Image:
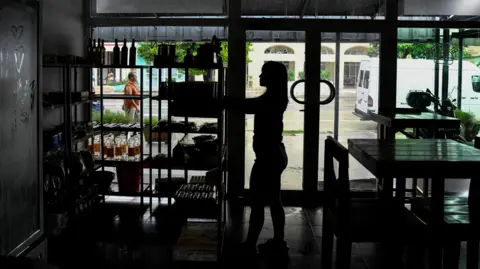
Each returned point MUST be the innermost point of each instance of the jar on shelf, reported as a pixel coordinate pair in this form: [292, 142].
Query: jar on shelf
[131, 148]
[96, 147]
[109, 148]
[90, 146]
[137, 147]
[123, 145]
[118, 148]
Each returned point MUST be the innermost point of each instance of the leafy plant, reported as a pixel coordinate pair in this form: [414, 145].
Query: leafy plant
[417, 51]
[324, 74]
[470, 126]
[148, 50]
[291, 76]
[112, 117]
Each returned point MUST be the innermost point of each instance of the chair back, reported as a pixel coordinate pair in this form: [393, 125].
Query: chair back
[337, 186]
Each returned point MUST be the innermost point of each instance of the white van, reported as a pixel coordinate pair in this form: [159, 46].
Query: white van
[417, 75]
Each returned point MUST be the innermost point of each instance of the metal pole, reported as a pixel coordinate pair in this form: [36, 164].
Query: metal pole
[337, 84]
[460, 69]
[446, 59]
[436, 90]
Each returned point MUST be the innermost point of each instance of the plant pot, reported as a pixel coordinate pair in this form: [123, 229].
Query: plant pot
[155, 136]
[128, 176]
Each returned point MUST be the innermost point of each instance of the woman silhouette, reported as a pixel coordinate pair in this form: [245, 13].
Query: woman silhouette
[271, 158]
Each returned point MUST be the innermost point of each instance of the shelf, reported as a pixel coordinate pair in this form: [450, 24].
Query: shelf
[112, 163]
[55, 106]
[83, 138]
[190, 66]
[163, 164]
[145, 191]
[185, 132]
[121, 96]
[122, 129]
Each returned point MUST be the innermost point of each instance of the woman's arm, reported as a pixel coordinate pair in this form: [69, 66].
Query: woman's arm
[248, 106]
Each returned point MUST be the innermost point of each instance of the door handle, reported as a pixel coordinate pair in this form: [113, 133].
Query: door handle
[329, 99]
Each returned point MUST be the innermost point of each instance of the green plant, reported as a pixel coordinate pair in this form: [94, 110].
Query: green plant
[112, 117]
[417, 51]
[146, 120]
[115, 83]
[470, 126]
[301, 75]
[291, 76]
[324, 74]
[292, 132]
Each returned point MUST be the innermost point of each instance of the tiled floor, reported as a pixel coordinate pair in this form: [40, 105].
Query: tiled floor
[304, 235]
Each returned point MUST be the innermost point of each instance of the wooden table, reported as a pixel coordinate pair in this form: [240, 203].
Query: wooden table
[416, 158]
[390, 123]
[428, 158]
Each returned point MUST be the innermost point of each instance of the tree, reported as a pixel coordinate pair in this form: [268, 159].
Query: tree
[324, 75]
[148, 50]
[419, 51]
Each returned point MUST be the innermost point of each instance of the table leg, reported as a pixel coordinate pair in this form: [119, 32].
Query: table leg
[437, 203]
[400, 190]
[414, 187]
[387, 189]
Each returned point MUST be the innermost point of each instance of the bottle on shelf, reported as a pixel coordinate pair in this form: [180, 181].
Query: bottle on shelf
[99, 52]
[96, 147]
[133, 54]
[123, 145]
[89, 50]
[90, 146]
[118, 148]
[116, 54]
[93, 56]
[131, 149]
[109, 147]
[103, 52]
[137, 147]
[124, 58]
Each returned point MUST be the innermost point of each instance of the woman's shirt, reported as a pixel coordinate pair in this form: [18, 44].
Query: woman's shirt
[268, 122]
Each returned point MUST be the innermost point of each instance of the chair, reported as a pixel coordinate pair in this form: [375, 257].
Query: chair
[358, 220]
[459, 222]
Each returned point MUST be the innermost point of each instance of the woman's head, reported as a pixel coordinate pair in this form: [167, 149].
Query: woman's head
[274, 77]
[132, 77]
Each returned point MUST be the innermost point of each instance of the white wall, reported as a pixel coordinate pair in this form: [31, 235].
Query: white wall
[62, 34]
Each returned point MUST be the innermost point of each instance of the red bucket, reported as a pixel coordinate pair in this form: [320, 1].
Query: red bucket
[128, 175]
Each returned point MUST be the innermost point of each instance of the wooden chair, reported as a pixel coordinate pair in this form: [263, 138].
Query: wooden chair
[459, 223]
[359, 220]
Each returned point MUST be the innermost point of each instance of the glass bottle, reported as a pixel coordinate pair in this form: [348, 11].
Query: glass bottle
[124, 53]
[123, 145]
[109, 147]
[118, 148]
[131, 149]
[133, 54]
[90, 146]
[137, 147]
[96, 147]
[116, 54]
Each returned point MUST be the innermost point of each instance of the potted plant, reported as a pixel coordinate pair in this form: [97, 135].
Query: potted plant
[155, 135]
[469, 125]
[250, 81]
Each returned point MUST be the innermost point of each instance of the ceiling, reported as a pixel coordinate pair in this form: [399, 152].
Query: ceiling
[302, 8]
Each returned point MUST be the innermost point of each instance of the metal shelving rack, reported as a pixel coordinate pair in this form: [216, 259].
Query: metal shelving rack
[69, 141]
[145, 189]
[169, 165]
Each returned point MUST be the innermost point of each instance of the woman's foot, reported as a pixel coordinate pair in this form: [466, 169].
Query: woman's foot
[273, 246]
[247, 249]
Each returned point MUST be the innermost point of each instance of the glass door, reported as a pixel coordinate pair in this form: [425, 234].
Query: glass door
[350, 61]
[288, 48]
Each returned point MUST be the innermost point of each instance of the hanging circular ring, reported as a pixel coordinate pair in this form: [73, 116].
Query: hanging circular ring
[329, 99]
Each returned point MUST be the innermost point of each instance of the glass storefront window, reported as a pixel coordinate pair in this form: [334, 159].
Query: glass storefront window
[449, 67]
